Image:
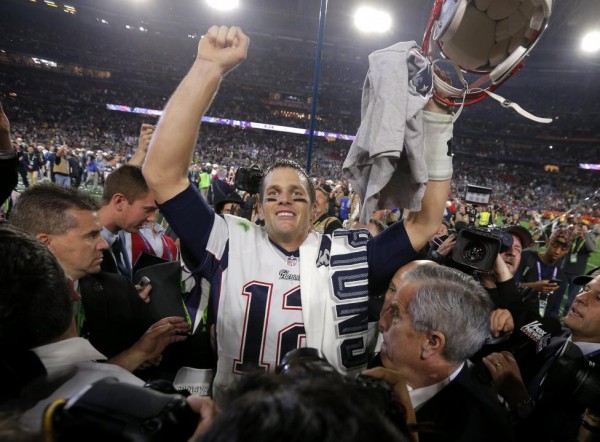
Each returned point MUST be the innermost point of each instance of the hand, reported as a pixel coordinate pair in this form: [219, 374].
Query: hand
[159, 335]
[447, 246]
[146, 131]
[207, 411]
[400, 391]
[501, 321]
[223, 46]
[507, 377]
[543, 286]
[501, 271]
[144, 293]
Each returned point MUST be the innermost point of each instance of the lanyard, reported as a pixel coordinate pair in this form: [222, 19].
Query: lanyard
[575, 248]
[539, 269]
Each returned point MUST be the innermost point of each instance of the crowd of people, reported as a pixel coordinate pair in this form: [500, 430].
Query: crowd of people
[155, 255]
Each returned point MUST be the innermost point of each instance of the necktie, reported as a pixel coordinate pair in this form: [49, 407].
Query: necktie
[121, 258]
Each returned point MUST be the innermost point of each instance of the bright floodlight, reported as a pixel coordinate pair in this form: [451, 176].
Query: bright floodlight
[368, 19]
[223, 5]
[591, 42]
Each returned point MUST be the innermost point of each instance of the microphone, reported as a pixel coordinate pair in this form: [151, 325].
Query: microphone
[524, 344]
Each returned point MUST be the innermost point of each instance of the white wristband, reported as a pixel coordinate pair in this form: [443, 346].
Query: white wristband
[437, 132]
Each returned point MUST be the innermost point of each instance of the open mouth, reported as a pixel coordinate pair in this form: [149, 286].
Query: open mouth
[285, 214]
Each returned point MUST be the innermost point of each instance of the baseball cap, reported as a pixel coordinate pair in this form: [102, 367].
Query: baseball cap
[521, 232]
[233, 197]
[584, 279]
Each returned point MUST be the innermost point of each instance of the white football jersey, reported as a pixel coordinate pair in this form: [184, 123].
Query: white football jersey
[262, 311]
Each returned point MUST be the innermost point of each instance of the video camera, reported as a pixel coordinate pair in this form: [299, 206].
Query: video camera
[476, 248]
[573, 375]
[110, 410]
[248, 179]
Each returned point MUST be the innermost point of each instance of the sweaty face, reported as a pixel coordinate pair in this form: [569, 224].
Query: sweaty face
[401, 348]
[79, 250]
[512, 257]
[584, 315]
[286, 207]
[134, 215]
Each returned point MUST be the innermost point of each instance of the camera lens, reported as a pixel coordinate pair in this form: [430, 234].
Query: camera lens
[474, 252]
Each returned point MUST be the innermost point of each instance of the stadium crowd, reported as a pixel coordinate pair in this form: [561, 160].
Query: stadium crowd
[161, 259]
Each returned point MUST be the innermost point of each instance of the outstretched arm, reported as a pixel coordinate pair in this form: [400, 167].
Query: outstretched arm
[438, 127]
[172, 145]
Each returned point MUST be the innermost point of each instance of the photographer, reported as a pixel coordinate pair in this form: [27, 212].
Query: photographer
[551, 404]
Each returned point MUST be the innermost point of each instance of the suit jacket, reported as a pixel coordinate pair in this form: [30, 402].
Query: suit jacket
[465, 411]
[115, 316]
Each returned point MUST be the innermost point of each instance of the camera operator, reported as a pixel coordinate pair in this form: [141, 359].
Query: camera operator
[547, 404]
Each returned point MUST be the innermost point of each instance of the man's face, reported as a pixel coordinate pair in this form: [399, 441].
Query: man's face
[286, 208]
[230, 209]
[322, 203]
[79, 250]
[556, 250]
[584, 315]
[512, 257]
[137, 213]
[402, 346]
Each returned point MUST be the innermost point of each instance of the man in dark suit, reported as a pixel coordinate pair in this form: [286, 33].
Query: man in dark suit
[108, 310]
[433, 319]
[556, 397]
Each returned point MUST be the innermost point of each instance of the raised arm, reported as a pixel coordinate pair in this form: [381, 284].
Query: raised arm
[172, 145]
[438, 127]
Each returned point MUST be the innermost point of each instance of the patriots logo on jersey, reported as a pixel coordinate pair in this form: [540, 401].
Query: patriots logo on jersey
[324, 252]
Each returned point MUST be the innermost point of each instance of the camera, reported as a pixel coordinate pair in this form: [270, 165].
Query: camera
[478, 247]
[573, 375]
[110, 410]
[248, 179]
[308, 361]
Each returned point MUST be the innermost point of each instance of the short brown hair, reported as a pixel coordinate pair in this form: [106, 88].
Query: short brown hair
[127, 180]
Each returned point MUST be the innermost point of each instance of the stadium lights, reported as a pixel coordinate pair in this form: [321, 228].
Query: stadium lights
[51, 4]
[591, 42]
[223, 5]
[371, 20]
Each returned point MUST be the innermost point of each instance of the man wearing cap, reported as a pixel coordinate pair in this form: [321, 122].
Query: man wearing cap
[542, 271]
[501, 285]
[230, 205]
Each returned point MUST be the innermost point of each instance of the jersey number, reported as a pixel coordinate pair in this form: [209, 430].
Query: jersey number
[258, 305]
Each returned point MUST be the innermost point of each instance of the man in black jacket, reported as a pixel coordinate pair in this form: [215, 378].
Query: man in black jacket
[433, 319]
[108, 310]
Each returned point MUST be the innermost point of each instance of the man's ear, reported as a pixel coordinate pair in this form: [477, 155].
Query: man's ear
[44, 238]
[119, 201]
[432, 344]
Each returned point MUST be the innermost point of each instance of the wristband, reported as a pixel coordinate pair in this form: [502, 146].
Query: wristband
[437, 138]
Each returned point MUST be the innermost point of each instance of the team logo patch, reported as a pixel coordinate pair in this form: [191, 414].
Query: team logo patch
[285, 274]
